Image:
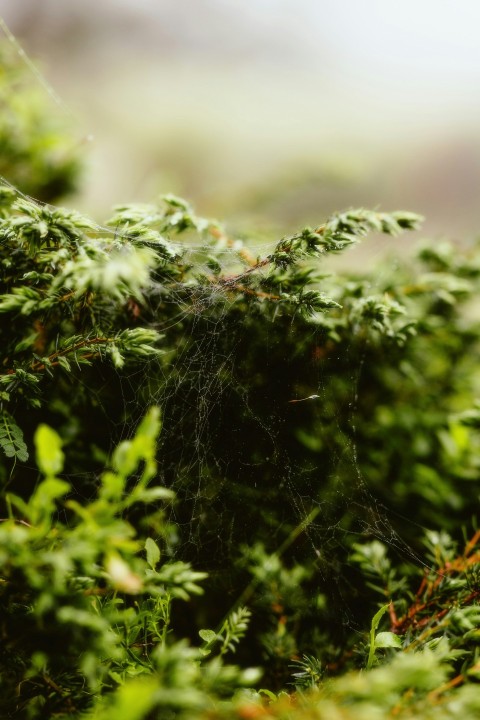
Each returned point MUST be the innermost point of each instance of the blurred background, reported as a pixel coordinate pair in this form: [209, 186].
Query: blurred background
[268, 114]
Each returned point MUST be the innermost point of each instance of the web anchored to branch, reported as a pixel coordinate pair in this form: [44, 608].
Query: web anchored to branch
[229, 345]
[289, 395]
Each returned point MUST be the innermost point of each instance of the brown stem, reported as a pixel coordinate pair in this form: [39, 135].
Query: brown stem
[37, 366]
[61, 353]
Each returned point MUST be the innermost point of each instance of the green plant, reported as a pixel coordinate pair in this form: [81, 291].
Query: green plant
[38, 153]
[99, 312]
[87, 601]
[312, 423]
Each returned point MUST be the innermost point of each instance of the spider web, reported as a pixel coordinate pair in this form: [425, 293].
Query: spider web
[226, 448]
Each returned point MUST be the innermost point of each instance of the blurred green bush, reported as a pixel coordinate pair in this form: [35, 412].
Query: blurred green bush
[37, 154]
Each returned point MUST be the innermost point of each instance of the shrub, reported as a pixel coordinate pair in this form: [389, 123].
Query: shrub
[315, 425]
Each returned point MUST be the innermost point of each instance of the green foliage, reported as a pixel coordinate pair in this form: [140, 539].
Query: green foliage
[309, 672]
[37, 156]
[319, 445]
[83, 610]
[381, 639]
[79, 299]
[11, 438]
[231, 632]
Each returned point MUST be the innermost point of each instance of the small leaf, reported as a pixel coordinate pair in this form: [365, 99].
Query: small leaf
[49, 490]
[49, 451]
[375, 623]
[268, 693]
[208, 636]
[63, 362]
[153, 552]
[112, 485]
[378, 616]
[149, 495]
[387, 639]
[11, 438]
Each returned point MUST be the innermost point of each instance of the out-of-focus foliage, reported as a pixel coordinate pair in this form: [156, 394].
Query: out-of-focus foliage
[86, 602]
[36, 153]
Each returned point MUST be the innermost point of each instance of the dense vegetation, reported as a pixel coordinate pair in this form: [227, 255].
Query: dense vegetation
[214, 454]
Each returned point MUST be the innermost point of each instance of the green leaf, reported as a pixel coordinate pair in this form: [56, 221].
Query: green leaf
[148, 495]
[133, 701]
[113, 485]
[267, 693]
[375, 623]
[42, 503]
[130, 453]
[49, 451]
[387, 639]
[11, 438]
[51, 489]
[151, 424]
[208, 636]
[153, 552]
